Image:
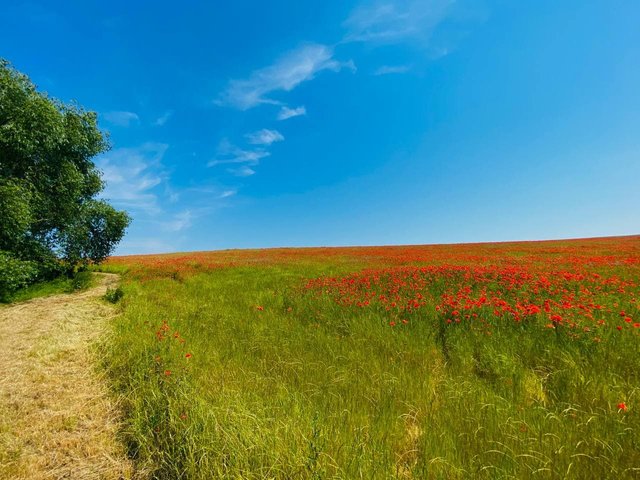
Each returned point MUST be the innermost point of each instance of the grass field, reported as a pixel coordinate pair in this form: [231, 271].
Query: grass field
[513, 360]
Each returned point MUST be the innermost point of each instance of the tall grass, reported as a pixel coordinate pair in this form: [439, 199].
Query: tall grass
[238, 373]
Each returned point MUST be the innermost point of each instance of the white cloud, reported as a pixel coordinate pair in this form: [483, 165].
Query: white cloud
[179, 222]
[172, 195]
[229, 153]
[138, 181]
[227, 193]
[390, 22]
[264, 137]
[161, 120]
[251, 157]
[297, 66]
[121, 119]
[243, 171]
[286, 112]
[388, 69]
[131, 175]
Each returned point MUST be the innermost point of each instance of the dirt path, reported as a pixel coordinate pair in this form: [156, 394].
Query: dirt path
[56, 419]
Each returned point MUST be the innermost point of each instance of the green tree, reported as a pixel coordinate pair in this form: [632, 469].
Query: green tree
[94, 234]
[49, 213]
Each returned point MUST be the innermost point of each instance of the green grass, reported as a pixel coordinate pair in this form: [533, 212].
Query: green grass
[308, 389]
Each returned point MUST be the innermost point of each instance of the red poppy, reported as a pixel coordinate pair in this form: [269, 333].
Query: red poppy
[622, 406]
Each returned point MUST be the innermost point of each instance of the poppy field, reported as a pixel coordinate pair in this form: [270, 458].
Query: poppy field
[494, 360]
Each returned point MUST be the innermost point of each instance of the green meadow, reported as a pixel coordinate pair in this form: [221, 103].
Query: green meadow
[245, 371]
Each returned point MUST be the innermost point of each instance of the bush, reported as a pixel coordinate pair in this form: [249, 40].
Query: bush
[81, 281]
[114, 295]
[14, 274]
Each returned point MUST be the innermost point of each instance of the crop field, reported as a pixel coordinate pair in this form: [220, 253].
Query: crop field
[503, 360]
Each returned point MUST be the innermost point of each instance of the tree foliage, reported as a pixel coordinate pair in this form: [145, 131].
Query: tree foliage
[49, 213]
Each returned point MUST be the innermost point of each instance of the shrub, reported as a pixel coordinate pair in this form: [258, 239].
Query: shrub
[81, 281]
[114, 295]
[14, 274]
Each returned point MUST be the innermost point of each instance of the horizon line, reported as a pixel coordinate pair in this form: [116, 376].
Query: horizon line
[398, 245]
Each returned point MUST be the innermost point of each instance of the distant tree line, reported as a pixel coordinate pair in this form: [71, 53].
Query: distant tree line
[51, 221]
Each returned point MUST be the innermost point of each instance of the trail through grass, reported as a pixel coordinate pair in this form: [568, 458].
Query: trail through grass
[56, 417]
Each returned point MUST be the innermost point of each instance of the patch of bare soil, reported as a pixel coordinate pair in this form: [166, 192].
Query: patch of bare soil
[57, 420]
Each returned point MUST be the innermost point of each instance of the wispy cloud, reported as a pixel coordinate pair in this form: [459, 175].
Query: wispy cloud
[121, 118]
[229, 153]
[264, 137]
[389, 69]
[227, 193]
[162, 119]
[179, 221]
[286, 112]
[390, 22]
[131, 175]
[243, 171]
[292, 69]
[138, 181]
[171, 194]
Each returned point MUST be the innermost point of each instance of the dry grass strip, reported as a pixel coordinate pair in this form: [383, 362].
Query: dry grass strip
[57, 420]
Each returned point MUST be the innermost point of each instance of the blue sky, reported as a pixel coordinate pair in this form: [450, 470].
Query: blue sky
[286, 123]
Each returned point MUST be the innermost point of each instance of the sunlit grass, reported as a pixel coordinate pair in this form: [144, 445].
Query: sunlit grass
[240, 372]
